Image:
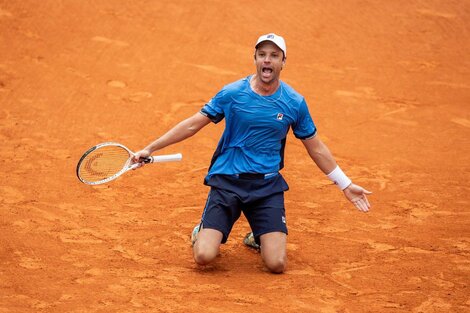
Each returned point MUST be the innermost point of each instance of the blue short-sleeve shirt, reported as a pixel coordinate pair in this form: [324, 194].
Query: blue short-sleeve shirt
[256, 127]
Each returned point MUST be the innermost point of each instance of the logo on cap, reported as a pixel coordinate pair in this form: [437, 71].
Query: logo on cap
[270, 36]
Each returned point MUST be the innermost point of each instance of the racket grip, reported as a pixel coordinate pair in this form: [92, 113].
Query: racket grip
[166, 158]
[134, 166]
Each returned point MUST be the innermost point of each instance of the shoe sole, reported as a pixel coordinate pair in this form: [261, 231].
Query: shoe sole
[249, 241]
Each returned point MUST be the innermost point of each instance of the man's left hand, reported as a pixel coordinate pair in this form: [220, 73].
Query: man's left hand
[357, 195]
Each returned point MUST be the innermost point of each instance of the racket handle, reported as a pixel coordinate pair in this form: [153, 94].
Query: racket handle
[166, 158]
[134, 166]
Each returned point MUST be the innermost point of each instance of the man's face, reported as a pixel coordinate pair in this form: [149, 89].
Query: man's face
[269, 60]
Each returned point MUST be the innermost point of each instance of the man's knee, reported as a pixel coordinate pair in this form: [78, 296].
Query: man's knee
[204, 255]
[273, 251]
[206, 247]
[276, 264]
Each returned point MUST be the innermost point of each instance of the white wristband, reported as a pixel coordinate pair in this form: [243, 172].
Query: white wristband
[339, 178]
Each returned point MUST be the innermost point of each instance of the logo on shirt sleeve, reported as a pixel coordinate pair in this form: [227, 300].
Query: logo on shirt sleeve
[280, 116]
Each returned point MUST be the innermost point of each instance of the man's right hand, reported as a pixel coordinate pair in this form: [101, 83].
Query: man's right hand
[139, 156]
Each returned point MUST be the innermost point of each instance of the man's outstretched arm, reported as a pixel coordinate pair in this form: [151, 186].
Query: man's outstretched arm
[180, 132]
[323, 158]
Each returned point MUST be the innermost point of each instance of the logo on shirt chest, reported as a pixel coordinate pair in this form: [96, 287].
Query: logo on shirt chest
[280, 116]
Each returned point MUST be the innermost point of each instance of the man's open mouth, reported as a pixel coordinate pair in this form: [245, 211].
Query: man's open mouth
[267, 70]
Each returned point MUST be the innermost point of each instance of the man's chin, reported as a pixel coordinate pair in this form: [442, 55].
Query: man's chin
[268, 80]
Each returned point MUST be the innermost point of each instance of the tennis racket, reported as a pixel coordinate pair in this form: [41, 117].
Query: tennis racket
[107, 161]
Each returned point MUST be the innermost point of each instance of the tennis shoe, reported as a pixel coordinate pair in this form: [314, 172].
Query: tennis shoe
[250, 241]
[194, 234]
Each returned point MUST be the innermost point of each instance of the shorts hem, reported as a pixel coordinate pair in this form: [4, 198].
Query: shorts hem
[224, 235]
[257, 236]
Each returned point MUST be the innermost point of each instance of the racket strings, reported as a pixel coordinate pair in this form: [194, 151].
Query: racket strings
[103, 163]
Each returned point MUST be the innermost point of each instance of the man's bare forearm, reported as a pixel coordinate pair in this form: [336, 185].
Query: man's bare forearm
[320, 154]
[180, 132]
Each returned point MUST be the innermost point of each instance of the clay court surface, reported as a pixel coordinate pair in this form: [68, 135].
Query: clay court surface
[387, 83]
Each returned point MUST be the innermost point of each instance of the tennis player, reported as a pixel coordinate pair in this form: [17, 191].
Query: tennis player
[244, 173]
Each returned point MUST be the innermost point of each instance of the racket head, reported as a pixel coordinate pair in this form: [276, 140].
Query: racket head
[103, 163]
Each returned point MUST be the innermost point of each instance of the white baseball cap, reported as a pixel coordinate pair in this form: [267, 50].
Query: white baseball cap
[276, 39]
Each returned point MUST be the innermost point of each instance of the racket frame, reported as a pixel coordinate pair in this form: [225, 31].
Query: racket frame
[128, 165]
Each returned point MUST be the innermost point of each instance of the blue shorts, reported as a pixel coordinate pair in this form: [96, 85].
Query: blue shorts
[260, 200]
